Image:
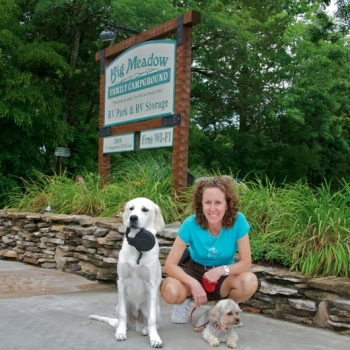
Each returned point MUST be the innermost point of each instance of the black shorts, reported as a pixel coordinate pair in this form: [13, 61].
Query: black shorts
[197, 271]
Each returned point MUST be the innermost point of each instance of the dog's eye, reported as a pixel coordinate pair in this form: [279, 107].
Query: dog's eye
[229, 313]
[131, 208]
[145, 210]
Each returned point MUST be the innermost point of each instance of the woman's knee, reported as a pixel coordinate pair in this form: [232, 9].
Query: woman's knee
[171, 291]
[249, 282]
[244, 287]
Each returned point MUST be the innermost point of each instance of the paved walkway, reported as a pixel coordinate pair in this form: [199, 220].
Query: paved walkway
[21, 280]
[48, 310]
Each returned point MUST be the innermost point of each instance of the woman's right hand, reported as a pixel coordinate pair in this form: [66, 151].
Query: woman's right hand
[198, 293]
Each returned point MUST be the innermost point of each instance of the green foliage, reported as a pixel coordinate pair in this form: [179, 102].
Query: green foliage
[321, 231]
[49, 87]
[149, 177]
[143, 177]
[294, 226]
[140, 15]
[60, 192]
[269, 91]
[298, 227]
[276, 103]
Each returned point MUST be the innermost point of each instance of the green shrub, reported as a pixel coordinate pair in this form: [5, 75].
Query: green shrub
[296, 226]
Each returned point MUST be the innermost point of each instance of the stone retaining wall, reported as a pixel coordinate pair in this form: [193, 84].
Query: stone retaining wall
[90, 246]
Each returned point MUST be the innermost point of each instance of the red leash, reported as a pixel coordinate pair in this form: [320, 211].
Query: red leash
[193, 324]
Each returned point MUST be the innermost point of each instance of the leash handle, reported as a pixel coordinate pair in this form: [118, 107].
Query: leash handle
[192, 322]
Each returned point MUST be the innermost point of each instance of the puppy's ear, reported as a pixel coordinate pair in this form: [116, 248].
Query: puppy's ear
[235, 306]
[125, 214]
[214, 315]
[159, 221]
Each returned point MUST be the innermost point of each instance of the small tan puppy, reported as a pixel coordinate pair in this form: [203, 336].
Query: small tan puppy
[218, 323]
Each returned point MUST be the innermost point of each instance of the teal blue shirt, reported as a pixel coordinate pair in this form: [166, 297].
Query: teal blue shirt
[208, 250]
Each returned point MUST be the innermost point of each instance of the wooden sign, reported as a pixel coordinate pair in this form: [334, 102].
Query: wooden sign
[182, 26]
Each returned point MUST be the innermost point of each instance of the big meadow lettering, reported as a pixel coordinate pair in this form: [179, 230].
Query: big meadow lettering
[137, 63]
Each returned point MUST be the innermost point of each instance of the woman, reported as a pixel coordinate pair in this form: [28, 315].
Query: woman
[213, 234]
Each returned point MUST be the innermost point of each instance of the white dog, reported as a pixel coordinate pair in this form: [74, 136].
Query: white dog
[139, 273]
[219, 322]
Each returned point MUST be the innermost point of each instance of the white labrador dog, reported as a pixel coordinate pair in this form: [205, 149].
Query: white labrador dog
[139, 273]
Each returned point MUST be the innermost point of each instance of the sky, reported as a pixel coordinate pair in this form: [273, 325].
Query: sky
[332, 8]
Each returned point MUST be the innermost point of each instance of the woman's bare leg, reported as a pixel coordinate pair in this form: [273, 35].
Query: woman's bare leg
[240, 287]
[173, 291]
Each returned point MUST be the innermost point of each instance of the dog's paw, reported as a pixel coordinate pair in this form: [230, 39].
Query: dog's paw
[120, 336]
[156, 343]
[232, 345]
[144, 331]
[214, 342]
[198, 329]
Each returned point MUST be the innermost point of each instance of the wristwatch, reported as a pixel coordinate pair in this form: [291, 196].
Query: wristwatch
[227, 271]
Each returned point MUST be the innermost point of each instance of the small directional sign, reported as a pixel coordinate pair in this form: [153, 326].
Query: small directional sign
[156, 138]
[62, 152]
[119, 143]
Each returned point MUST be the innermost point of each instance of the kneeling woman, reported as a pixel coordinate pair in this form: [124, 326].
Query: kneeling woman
[211, 236]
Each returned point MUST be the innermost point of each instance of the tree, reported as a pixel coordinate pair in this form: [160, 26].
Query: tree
[76, 24]
[258, 78]
[29, 106]
[314, 109]
[240, 57]
[49, 84]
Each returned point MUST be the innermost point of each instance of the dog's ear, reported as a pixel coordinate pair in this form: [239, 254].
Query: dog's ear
[159, 221]
[235, 306]
[214, 315]
[125, 214]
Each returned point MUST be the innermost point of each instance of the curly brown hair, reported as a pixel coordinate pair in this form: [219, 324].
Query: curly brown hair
[225, 184]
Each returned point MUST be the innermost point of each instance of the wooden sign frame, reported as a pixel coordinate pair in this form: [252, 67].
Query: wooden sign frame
[182, 26]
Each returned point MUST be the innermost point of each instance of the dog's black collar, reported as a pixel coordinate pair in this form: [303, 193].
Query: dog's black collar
[143, 241]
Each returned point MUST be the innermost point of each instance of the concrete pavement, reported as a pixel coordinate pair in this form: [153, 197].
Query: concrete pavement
[49, 309]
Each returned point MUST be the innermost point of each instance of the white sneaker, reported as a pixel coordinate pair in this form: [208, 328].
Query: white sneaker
[180, 312]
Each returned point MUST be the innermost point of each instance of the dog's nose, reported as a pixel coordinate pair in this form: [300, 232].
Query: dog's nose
[133, 219]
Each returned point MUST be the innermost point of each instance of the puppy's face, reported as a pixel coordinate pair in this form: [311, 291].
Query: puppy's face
[226, 313]
[143, 213]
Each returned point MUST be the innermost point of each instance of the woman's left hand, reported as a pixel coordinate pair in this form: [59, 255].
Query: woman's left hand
[213, 274]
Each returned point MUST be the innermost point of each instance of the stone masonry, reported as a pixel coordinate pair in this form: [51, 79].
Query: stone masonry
[89, 246]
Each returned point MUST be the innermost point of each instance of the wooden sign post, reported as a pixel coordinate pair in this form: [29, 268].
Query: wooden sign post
[182, 26]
